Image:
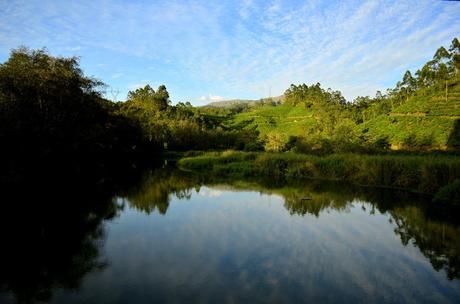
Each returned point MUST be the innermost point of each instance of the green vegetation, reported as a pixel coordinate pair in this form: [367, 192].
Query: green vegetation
[419, 173]
[183, 127]
[426, 120]
[449, 194]
[50, 113]
[420, 113]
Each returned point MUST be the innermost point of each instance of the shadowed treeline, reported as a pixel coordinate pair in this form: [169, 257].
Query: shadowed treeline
[51, 114]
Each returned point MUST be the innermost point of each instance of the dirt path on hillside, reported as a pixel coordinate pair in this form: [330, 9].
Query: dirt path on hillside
[423, 114]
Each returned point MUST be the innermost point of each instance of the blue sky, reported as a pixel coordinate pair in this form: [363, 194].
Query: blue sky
[210, 50]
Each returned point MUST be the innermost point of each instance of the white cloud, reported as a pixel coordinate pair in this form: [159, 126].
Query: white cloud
[117, 75]
[274, 7]
[211, 97]
[242, 49]
[215, 97]
[245, 8]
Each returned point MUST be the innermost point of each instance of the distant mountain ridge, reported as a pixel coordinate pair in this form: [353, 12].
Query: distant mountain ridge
[233, 103]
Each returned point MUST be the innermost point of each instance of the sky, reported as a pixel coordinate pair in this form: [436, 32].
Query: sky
[217, 49]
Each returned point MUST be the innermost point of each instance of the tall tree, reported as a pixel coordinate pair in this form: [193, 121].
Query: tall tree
[455, 55]
[160, 98]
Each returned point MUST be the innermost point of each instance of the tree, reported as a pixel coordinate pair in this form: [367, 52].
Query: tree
[441, 59]
[161, 98]
[441, 54]
[455, 55]
[50, 111]
[409, 81]
[147, 95]
[407, 86]
[276, 142]
[44, 98]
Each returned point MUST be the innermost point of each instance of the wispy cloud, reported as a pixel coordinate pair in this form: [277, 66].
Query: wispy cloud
[117, 75]
[135, 86]
[239, 50]
[211, 97]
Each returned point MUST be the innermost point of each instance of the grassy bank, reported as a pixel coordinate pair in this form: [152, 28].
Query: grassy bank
[419, 173]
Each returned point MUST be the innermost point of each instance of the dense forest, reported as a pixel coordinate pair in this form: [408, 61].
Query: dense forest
[50, 112]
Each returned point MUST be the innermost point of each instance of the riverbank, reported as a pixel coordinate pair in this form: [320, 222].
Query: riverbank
[419, 173]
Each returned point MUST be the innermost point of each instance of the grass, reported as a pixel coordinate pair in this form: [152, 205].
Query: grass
[420, 173]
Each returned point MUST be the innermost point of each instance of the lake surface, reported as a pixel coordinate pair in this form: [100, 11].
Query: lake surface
[173, 237]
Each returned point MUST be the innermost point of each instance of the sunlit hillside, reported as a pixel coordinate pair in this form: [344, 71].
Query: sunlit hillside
[430, 116]
[287, 119]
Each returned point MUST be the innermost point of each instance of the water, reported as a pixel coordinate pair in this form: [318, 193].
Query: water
[174, 237]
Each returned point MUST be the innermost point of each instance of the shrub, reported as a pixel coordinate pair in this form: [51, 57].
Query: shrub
[276, 142]
[425, 141]
[420, 173]
[410, 141]
[382, 143]
[449, 194]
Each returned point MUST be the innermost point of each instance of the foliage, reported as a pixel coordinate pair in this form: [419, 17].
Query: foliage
[159, 99]
[183, 127]
[420, 113]
[43, 98]
[420, 173]
[312, 95]
[449, 194]
[49, 111]
[276, 142]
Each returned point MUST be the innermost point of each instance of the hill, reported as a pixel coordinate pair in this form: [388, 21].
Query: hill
[428, 118]
[284, 118]
[244, 103]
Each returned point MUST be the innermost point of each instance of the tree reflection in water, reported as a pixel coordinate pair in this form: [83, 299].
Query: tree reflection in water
[52, 232]
[438, 241]
[416, 220]
[154, 191]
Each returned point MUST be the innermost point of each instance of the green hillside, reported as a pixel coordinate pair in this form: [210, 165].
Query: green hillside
[428, 119]
[285, 118]
[422, 112]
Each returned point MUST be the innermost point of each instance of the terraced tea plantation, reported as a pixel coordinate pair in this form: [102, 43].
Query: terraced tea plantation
[430, 118]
